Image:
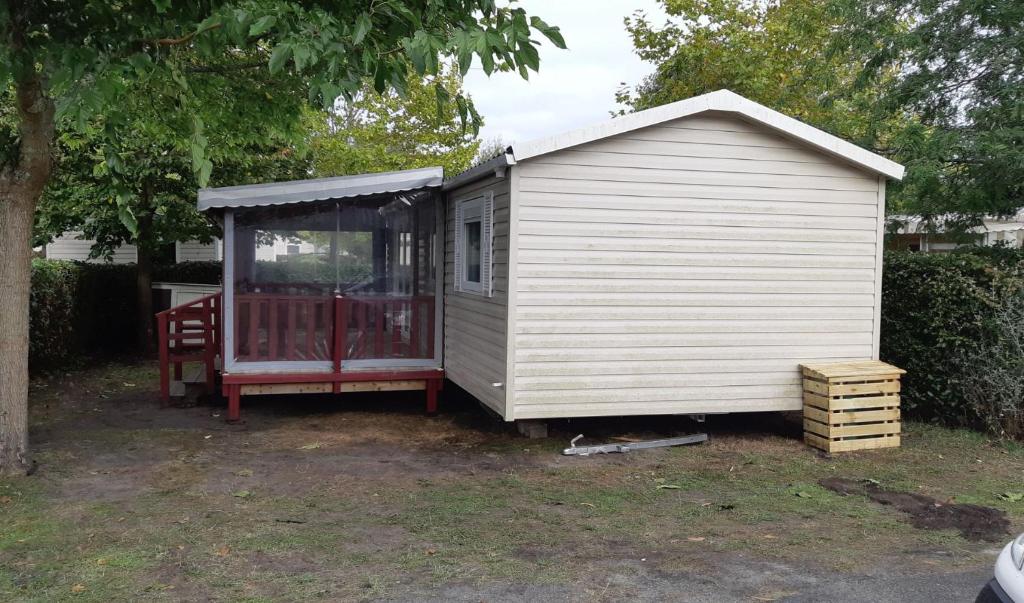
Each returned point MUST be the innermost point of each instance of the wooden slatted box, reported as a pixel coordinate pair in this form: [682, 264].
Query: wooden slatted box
[851, 405]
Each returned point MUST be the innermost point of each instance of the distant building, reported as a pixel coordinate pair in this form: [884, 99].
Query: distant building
[73, 246]
[912, 235]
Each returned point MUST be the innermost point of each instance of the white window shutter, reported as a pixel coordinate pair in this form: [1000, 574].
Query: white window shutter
[487, 243]
[458, 245]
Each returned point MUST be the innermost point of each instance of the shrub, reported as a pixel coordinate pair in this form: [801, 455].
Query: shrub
[51, 304]
[205, 273]
[938, 310]
[78, 308]
[994, 381]
[106, 312]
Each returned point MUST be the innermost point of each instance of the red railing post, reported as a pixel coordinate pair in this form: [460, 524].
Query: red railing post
[397, 309]
[414, 328]
[379, 316]
[234, 403]
[165, 377]
[311, 313]
[209, 345]
[340, 329]
[362, 309]
[272, 330]
[431, 396]
[215, 308]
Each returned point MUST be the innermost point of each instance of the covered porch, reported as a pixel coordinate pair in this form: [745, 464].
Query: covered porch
[331, 285]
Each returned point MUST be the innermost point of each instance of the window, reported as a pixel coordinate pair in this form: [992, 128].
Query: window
[473, 245]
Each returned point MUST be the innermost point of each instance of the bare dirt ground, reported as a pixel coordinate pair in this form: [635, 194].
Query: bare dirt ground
[364, 498]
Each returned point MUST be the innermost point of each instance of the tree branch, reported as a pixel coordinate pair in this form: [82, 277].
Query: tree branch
[225, 68]
[187, 38]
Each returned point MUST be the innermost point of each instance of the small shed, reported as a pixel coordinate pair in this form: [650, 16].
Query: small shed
[681, 260]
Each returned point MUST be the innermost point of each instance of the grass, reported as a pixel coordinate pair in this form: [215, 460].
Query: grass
[131, 502]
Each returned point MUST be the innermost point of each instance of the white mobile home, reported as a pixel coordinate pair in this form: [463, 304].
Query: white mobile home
[684, 259]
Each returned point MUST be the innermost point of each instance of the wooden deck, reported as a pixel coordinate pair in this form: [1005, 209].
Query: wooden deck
[287, 328]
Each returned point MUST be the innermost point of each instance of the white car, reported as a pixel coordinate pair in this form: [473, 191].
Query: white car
[1008, 584]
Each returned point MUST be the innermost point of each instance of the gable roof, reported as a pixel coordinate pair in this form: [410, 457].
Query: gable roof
[720, 100]
[319, 189]
[723, 100]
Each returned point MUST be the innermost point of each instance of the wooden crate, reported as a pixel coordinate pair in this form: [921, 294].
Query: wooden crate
[851, 405]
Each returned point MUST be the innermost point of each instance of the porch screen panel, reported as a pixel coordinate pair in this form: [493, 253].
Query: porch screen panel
[386, 256]
[285, 275]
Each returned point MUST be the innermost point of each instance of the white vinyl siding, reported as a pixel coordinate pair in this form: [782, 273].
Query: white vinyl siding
[475, 325]
[194, 251]
[689, 267]
[69, 246]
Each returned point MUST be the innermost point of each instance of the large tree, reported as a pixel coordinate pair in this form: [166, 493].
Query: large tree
[382, 132]
[131, 178]
[776, 53]
[70, 60]
[954, 72]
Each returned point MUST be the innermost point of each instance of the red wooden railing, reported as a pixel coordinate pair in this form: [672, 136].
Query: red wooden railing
[274, 327]
[189, 332]
[271, 327]
[384, 327]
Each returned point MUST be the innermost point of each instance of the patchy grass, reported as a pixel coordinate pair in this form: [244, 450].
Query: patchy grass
[131, 501]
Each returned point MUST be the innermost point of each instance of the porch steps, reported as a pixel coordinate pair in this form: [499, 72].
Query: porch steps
[190, 332]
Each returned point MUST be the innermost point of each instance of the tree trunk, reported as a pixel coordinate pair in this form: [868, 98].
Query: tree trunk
[15, 276]
[21, 185]
[144, 272]
[144, 301]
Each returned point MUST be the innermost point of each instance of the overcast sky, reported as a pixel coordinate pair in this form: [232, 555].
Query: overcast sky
[575, 87]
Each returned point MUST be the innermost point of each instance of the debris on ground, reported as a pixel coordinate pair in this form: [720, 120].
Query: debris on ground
[975, 522]
[574, 450]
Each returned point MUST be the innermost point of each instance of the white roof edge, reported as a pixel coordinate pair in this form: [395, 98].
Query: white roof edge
[720, 100]
[318, 189]
[479, 171]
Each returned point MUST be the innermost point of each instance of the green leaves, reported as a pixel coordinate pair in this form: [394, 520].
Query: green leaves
[362, 27]
[550, 32]
[280, 55]
[423, 49]
[125, 214]
[262, 25]
[303, 56]
[141, 63]
[388, 132]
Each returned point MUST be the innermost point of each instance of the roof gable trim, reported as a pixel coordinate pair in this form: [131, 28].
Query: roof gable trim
[720, 100]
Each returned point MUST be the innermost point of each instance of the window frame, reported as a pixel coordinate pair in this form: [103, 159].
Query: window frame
[478, 208]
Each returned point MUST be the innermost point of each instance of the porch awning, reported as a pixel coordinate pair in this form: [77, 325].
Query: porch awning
[320, 189]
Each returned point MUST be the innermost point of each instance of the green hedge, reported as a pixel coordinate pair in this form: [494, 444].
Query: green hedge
[77, 308]
[83, 309]
[51, 306]
[936, 309]
[204, 273]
